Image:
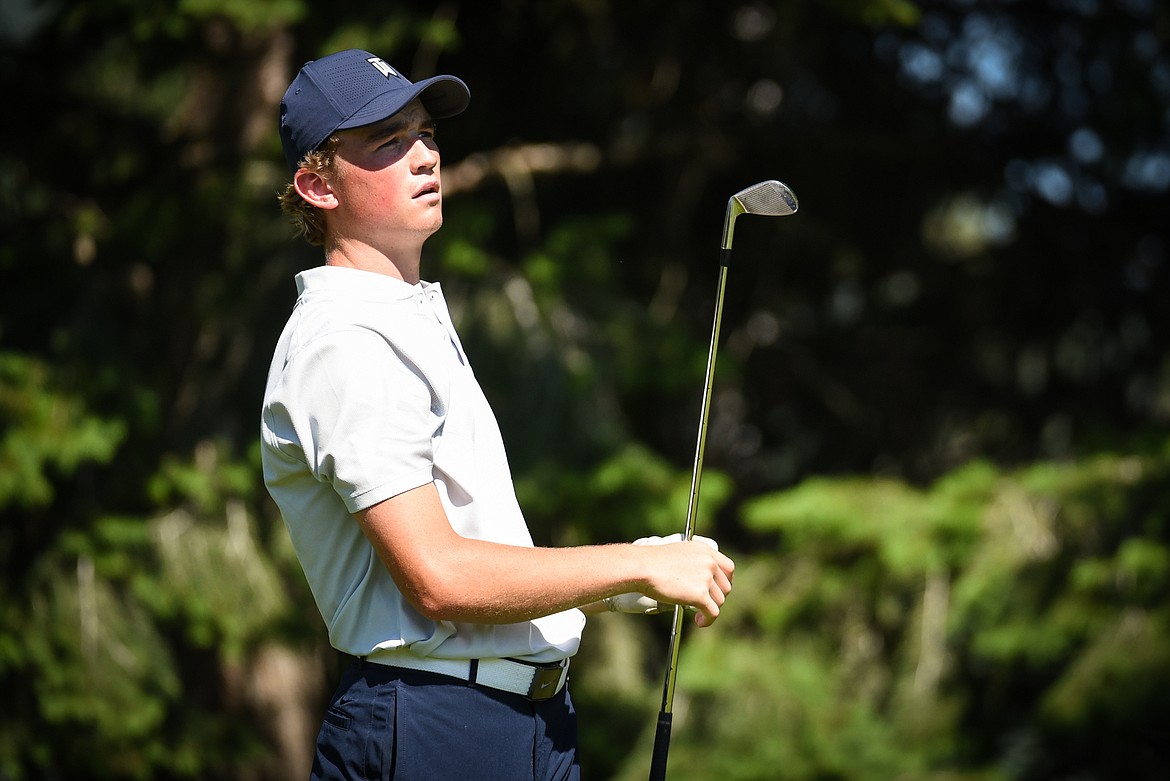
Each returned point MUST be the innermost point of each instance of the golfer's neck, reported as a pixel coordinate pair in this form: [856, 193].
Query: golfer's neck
[400, 263]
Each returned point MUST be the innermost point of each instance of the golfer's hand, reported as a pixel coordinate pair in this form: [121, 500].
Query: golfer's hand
[693, 574]
[640, 604]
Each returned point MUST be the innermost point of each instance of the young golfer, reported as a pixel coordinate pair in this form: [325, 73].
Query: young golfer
[389, 470]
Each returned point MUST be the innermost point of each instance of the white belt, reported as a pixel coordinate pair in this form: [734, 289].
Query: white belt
[532, 680]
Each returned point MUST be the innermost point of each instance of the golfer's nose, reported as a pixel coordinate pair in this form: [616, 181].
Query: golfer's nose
[424, 154]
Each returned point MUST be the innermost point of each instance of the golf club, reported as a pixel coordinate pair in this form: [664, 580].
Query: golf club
[769, 199]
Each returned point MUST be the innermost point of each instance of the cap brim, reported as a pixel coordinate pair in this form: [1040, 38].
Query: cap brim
[441, 96]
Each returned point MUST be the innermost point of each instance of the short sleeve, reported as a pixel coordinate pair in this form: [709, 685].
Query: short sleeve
[359, 414]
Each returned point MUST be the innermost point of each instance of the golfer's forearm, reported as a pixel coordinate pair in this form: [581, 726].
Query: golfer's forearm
[483, 582]
[446, 576]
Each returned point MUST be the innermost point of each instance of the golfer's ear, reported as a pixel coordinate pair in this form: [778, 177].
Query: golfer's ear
[315, 189]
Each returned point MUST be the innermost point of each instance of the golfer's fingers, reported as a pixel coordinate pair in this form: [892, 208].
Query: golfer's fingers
[707, 613]
[708, 609]
[725, 564]
[717, 591]
[724, 573]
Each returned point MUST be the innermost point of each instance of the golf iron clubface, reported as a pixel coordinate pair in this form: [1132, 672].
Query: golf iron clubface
[766, 199]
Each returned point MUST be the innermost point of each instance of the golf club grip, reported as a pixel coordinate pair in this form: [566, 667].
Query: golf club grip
[661, 747]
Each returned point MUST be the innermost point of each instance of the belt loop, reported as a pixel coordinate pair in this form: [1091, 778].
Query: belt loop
[473, 672]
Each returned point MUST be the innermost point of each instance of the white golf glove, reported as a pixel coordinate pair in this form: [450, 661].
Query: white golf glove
[640, 604]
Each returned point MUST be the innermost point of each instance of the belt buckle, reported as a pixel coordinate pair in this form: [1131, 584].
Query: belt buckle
[544, 682]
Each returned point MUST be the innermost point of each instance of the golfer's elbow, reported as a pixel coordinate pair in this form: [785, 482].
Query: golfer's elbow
[437, 598]
[436, 607]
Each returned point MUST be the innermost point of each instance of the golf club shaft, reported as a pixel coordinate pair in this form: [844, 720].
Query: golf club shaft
[770, 199]
[662, 733]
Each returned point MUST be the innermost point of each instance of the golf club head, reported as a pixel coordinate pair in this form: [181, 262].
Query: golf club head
[769, 199]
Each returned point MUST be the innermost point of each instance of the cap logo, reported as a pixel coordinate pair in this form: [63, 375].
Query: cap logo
[383, 68]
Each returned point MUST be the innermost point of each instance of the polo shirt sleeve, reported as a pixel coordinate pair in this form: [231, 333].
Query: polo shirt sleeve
[360, 414]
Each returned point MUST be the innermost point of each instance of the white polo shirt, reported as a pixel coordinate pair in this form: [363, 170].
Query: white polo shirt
[369, 395]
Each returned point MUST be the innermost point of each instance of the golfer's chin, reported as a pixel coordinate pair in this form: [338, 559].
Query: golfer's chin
[427, 223]
[431, 215]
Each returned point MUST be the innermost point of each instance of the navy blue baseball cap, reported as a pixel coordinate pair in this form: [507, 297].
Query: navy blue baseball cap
[353, 88]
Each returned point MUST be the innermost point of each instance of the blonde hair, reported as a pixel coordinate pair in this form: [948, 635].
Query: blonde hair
[309, 221]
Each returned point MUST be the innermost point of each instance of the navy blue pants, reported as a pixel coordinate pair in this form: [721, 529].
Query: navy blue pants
[386, 723]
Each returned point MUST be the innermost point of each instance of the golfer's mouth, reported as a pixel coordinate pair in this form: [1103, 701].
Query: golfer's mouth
[430, 189]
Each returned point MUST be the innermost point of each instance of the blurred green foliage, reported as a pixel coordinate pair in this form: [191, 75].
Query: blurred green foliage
[891, 629]
[45, 430]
